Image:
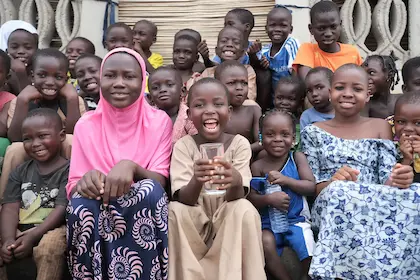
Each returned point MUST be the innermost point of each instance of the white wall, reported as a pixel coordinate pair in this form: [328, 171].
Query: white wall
[300, 18]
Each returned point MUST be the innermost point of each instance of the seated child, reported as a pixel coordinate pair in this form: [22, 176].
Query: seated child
[318, 89]
[230, 47]
[87, 69]
[75, 48]
[212, 236]
[291, 171]
[144, 36]
[32, 219]
[199, 66]
[325, 26]
[184, 55]
[407, 130]
[244, 120]
[383, 76]
[118, 35]
[244, 21]
[165, 88]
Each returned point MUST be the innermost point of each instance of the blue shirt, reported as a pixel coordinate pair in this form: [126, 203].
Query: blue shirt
[311, 116]
[243, 60]
[281, 63]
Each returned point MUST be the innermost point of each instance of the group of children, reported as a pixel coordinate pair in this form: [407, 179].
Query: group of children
[224, 100]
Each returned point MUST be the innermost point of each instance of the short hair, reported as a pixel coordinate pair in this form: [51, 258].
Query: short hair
[118, 25]
[323, 70]
[244, 15]
[388, 66]
[296, 81]
[151, 24]
[90, 46]
[231, 27]
[203, 81]
[408, 68]
[194, 33]
[5, 60]
[225, 65]
[351, 66]
[49, 114]
[323, 6]
[279, 7]
[92, 56]
[170, 69]
[34, 36]
[187, 38]
[273, 112]
[411, 97]
[50, 52]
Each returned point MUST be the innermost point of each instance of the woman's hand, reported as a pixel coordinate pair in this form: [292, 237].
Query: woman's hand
[91, 185]
[227, 176]
[119, 180]
[401, 176]
[345, 173]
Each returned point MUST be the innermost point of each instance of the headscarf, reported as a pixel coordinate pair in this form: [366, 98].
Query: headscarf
[9, 27]
[108, 135]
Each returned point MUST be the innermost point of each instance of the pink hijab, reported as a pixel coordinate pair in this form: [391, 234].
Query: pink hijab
[108, 135]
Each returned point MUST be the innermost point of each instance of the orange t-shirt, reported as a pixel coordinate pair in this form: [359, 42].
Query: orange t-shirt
[312, 56]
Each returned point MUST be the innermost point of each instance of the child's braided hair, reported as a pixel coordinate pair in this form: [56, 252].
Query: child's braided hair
[388, 66]
[275, 112]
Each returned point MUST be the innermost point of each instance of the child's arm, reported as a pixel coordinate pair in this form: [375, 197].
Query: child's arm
[3, 119]
[27, 95]
[73, 110]
[252, 53]
[137, 48]
[407, 151]
[302, 71]
[204, 51]
[256, 147]
[9, 220]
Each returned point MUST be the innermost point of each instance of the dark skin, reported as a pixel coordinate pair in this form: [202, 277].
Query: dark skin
[229, 44]
[42, 142]
[202, 49]
[318, 91]
[233, 20]
[278, 137]
[121, 83]
[4, 75]
[244, 120]
[73, 51]
[287, 98]
[184, 55]
[413, 81]
[209, 102]
[88, 76]
[50, 84]
[144, 36]
[119, 37]
[349, 95]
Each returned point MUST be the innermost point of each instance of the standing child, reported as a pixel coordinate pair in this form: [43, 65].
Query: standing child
[291, 171]
[202, 49]
[34, 203]
[144, 35]
[165, 88]
[244, 120]
[212, 236]
[383, 76]
[118, 35]
[75, 48]
[87, 69]
[325, 26]
[318, 89]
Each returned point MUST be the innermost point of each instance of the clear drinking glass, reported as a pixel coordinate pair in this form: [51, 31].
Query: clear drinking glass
[210, 151]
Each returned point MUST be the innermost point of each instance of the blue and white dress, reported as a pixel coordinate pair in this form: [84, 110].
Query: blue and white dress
[367, 230]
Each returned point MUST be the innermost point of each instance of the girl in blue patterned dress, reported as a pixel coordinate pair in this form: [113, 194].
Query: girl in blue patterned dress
[367, 209]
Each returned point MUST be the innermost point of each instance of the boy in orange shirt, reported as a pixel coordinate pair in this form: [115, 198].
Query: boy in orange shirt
[325, 26]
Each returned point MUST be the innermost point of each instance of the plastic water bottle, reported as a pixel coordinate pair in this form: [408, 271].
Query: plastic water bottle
[278, 218]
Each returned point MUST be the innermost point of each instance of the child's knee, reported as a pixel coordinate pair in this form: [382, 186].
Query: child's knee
[268, 240]
[53, 243]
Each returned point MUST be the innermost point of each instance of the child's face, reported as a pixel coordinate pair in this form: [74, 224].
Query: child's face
[87, 74]
[119, 37]
[209, 110]
[73, 50]
[121, 80]
[318, 90]
[279, 25]
[41, 138]
[277, 135]
[377, 77]
[407, 120]
[22, 45]
[165, 89]
[229, 44]
[236, 81]
[233, 20]
[185, 54]
[143, 33]
[286, 98]
[413, 83]
[349, 92]
[49, 76]
[326, 28]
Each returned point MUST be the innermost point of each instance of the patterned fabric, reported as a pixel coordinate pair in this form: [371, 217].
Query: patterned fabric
[126, 240]
[366, 230]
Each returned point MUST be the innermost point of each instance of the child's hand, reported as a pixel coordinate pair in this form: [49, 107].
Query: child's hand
[91, 185]
[406, 149]
[68, 91]
[280, 201]
[255, 47]
[137, 48]
[203, 49]
[227, 176]
[30, 93]
[119, 180]
[203, 170]
[401, 176]
[275, 177]
[6, 251]
[17, 65]
[346, 173]
[265, 64]
[415, 142]
[23, 246]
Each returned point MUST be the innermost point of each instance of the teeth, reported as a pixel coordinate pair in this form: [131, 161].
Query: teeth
[72, 61]
[49, 91]
[41, 152]
[21, 58]
[228, 53]
[91, 85]
[210, 124]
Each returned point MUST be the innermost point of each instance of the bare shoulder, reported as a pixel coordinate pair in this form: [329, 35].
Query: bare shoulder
[257, 167]
[381, 128]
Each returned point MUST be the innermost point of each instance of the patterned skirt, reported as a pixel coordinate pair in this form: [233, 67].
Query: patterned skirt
[367, 231]
[126, 240]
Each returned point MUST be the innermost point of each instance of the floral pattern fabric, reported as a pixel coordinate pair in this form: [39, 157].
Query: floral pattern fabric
[126, 240]
[366, 230]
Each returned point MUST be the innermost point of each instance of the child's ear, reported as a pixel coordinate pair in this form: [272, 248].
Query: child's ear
[32, 77]
[154, 39]
[62, 135]
[291, 29]
[404, 88]
[310, 29]
[230, 111]
[248, 27]
[189, 114]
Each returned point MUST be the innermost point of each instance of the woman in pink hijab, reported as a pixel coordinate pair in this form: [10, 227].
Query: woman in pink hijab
[117, 215]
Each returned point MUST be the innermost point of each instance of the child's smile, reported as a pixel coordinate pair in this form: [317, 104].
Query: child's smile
[277, 135]
[87, 73]
[229, 44]
[50, 75]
